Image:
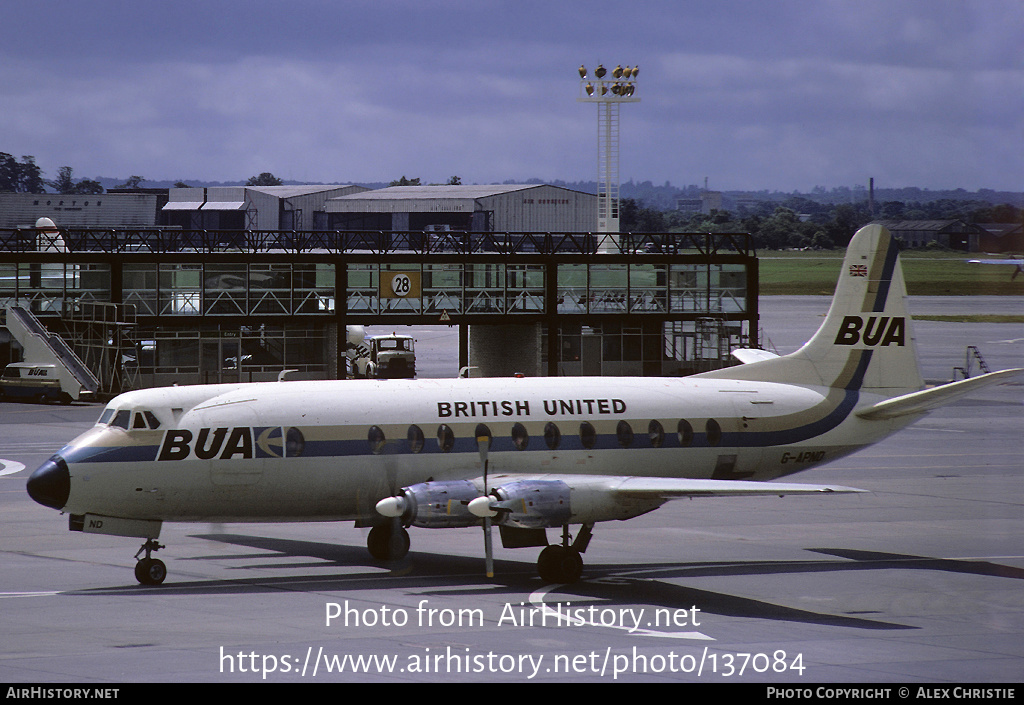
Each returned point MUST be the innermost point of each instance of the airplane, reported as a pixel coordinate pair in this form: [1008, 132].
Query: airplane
[1018, 264]
[525, 454]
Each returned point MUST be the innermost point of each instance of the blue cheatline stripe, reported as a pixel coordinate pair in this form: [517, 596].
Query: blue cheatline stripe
[109, 454]
[886, 279]
[857, 379]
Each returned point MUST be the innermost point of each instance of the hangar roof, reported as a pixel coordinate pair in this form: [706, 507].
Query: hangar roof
[436, 198]
[292, 191]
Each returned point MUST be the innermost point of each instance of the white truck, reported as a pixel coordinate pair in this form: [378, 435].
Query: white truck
[381, 356]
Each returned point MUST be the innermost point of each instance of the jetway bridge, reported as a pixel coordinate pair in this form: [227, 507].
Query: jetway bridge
[165, 305]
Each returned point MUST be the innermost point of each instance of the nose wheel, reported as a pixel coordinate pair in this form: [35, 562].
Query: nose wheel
[149, 570]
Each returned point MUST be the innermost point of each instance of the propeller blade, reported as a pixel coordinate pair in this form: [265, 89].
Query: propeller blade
[483, 444]
[488, 552]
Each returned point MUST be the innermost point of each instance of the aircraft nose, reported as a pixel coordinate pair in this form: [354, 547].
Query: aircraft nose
[50, 484]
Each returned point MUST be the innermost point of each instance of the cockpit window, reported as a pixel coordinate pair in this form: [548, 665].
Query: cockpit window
[154, 422]
[121, 419]
[105, 417]
[140, 421]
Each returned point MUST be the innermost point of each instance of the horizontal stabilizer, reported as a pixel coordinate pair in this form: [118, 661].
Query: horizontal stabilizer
[748, 355]
[928, 399]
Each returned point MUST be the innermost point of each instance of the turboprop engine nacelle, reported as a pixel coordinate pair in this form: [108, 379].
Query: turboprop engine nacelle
[525, 504]
[433, 505]
[538, 504]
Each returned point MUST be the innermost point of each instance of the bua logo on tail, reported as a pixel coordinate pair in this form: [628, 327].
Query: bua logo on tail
[877, 331]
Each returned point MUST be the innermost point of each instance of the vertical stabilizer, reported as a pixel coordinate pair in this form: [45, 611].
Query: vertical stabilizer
[866, 342]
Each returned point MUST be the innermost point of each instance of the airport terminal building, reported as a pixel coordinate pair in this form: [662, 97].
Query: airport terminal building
[241, 283]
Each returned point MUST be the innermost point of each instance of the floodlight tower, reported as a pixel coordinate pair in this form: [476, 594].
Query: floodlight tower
[608, 92]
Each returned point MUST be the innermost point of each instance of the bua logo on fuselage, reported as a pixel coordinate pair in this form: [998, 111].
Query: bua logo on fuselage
[210, 444]
[877, 331]
[241, 442]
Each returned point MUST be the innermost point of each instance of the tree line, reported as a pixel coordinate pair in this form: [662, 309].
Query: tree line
[25, 176]
[802, 223]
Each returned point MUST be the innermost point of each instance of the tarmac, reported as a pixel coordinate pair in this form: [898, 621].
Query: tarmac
[920, 580]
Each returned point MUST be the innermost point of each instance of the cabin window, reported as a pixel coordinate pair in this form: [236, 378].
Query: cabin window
[415, 436]
[685, 433]
[520, 438]
[294, 443]
[624, 434]
[445, 438]
[588, 435]
[714, 431]
[121, 419]
[552, 436]
[375, 437]
[656, 434]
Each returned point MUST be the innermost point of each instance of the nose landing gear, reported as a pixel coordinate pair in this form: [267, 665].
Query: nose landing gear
[149, 570]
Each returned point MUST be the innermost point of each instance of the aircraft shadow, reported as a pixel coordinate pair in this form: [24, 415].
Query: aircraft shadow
[648, 584]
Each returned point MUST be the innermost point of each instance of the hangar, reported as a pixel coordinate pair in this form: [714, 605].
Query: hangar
[349, 207]
[491, 208]
[22, 210]
[252, 207]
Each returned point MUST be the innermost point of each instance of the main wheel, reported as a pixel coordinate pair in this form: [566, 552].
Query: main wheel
[559, 564]
[388, 543]
[150, 571]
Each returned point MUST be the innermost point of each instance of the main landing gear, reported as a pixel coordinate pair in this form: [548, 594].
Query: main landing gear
[563, 563]
[149, 570]
[388, 542]
[558, 563]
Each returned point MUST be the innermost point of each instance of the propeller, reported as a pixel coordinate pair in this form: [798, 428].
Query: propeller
[483, 444]
[399, 548]
[389, 541]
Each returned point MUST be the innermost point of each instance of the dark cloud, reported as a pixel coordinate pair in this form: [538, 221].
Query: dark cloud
[751, 94]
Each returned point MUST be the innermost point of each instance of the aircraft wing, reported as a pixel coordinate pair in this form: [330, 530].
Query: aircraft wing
[928, 399]
[672, 488]
[666, 488]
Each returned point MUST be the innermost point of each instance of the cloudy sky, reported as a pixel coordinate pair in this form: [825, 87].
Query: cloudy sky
[752, 94]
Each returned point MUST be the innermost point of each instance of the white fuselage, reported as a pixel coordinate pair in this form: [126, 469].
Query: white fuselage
[317, 451]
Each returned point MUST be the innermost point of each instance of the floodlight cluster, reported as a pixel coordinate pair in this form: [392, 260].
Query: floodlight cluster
[621, 84]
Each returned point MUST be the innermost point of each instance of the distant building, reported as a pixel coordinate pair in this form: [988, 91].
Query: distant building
[708, 201]
[689, 205]
[486, 208]
[1001, 237]
[954, 234]
[79, 210]
[252, 207]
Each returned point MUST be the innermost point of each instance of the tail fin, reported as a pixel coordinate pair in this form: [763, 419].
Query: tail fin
[866, 342]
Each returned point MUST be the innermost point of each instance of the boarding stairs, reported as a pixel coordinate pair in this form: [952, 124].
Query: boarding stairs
[970, 356]
[43, 347]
